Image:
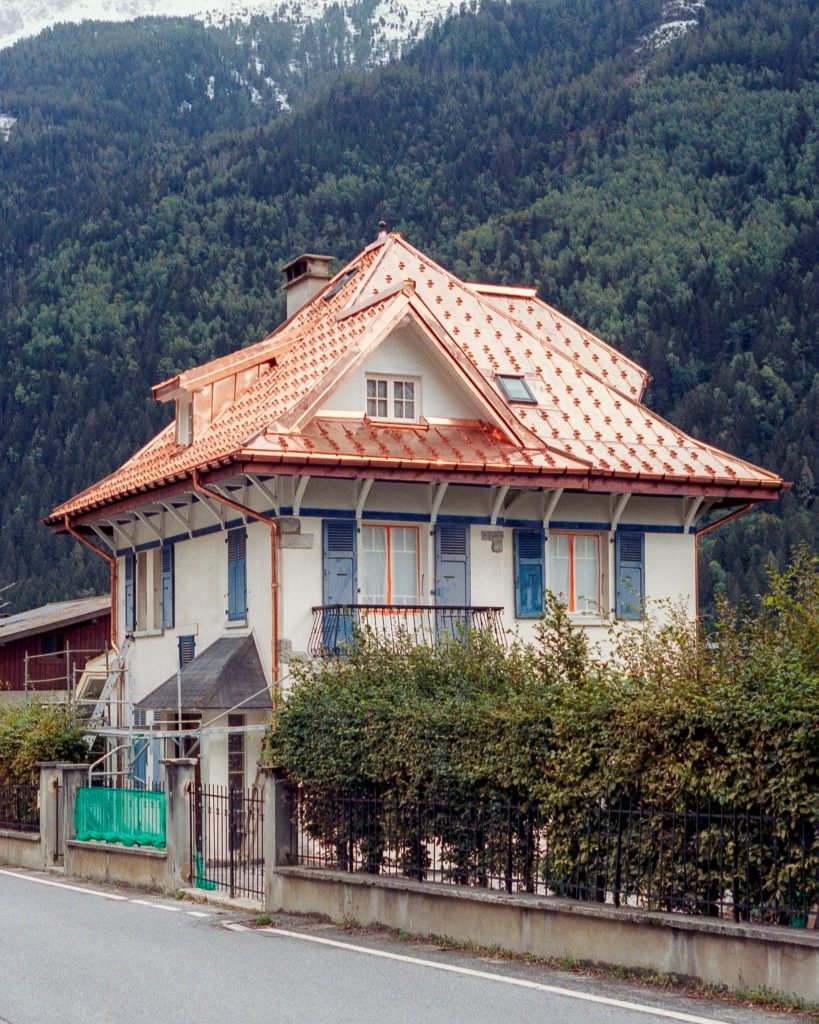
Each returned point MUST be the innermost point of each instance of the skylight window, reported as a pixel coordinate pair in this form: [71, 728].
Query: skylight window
[516, 389]
[340, 283]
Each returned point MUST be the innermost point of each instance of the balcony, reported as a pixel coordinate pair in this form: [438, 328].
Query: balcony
[335, 625]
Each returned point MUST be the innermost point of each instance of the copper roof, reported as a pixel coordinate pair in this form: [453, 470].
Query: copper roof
[588, 419]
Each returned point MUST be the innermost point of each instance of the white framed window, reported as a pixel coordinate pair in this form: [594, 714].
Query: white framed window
[390, 565]
[393, 398]
[575, 571]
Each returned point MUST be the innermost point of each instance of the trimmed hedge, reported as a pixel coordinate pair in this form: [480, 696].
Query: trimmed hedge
[731, 714]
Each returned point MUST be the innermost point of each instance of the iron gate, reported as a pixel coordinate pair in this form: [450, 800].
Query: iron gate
[58, 824]
[227, 840]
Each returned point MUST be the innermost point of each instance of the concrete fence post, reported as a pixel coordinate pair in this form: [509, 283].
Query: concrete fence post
[180, 780]
[280, 828]
[74, 776]
[52, 832]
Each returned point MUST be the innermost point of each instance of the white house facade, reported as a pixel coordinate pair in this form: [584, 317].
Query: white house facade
[407, 451]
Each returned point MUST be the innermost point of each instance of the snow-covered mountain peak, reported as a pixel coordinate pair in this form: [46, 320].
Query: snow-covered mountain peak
[396, 20]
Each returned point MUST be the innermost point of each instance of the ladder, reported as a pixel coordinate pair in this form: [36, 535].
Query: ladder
[113, 674]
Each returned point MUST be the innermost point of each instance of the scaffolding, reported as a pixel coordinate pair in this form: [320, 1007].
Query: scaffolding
[130, 742]
[58, 671]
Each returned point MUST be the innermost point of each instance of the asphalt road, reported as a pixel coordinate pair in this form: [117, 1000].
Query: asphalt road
[75, 954]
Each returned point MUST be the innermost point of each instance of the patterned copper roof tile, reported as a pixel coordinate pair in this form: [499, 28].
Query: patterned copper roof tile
[524, 336]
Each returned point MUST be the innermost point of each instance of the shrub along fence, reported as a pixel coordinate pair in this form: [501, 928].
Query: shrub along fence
[690, 858]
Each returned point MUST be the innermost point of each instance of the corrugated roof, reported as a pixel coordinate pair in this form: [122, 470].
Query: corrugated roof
[52, 616]
[588, 417]
[224, 675]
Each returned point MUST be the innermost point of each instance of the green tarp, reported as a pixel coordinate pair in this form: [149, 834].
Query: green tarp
[132, 817]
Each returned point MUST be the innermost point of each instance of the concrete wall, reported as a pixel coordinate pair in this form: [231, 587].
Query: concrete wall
[119, 865]
[21, 849]
[715, 952]
[166, 870]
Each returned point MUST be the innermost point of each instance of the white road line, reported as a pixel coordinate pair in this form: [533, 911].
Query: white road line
[196, 913]
[63, 885]
[487, 976]
[236, 928]
[157, 906]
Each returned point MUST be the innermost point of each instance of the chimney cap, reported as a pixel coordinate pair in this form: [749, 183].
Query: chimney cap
[308, 263]
[382, 229]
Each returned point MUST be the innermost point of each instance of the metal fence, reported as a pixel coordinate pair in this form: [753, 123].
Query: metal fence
[227, 840]
[124, 780]
[335, 627]
[691, 858]
[133, 817]
[20, 806]
[59, 802]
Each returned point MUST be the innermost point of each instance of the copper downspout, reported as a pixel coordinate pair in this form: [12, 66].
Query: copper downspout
[200, 488]
[112, 562]
[707, 529]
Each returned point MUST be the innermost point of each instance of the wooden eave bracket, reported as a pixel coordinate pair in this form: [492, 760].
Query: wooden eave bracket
[551, 500]
[298, 496]
[174, 512]
[619, 509]
[364, 488]
[103, 536]
[438, 497]
[497, 503]
[265, 491]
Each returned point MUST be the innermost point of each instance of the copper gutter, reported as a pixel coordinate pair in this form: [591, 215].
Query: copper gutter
[112, 563]
[725, 519]
[200, 488]
[707, 529]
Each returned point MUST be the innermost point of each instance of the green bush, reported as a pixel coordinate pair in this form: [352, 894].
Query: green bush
[671, 716]
[730, 715]
[36, 732]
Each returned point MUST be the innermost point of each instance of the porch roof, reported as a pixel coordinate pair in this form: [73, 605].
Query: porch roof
[226, 674]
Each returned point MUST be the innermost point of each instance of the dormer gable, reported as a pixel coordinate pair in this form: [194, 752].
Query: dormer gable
[404, 380]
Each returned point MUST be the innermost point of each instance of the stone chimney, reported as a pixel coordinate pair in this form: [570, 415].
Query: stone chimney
[303, 277]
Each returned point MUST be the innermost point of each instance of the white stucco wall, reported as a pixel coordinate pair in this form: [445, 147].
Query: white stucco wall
[200, 606]
[201, 569]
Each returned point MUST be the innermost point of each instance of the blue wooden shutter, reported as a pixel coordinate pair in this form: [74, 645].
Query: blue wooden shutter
[237, 574]
[452, 582]
[630, 575]
[187, 650]
[167, 586]
[339, 561]
[130, 592]
[339, 583]
[529, 575]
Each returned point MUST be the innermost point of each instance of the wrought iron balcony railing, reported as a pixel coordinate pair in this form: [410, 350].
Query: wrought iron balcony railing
[335, 626]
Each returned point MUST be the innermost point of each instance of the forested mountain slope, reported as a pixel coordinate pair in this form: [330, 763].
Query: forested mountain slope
[666, 199]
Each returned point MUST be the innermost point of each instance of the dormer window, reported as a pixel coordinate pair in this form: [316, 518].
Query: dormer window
[184, 420]
[393, 398]
[515, 389]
